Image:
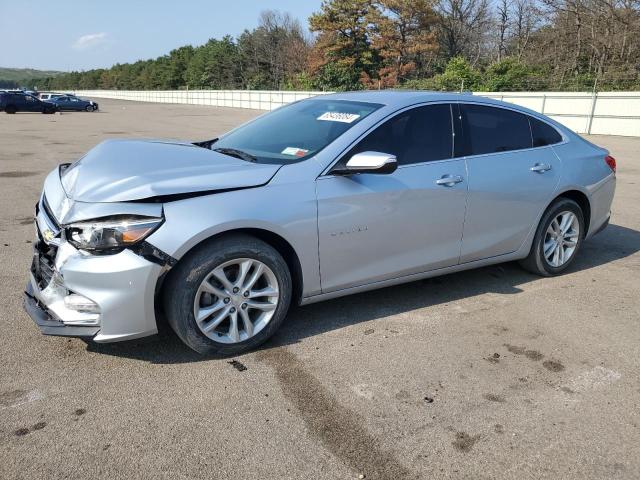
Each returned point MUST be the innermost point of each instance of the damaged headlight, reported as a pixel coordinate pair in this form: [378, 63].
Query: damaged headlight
[111, 233]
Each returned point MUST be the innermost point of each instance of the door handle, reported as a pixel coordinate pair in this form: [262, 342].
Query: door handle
[541, 167]
[449, 180]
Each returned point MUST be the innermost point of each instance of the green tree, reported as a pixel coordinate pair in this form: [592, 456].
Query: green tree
[214, 65]
[510, 75]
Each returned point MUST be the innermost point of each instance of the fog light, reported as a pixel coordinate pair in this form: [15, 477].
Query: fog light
[80, 303]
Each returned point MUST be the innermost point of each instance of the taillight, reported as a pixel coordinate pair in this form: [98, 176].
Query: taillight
[611, 162]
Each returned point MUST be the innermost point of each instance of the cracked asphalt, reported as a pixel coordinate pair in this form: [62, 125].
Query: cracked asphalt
[488, 374]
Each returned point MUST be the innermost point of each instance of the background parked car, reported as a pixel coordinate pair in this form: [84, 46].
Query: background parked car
[12, 102]
[71, 102]
[49, 96]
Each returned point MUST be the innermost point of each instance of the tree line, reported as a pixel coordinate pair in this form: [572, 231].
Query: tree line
[422, 44]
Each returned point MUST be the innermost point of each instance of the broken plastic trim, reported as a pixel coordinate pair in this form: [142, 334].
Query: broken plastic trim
[62, 168]
[153, 254]
[206, 143]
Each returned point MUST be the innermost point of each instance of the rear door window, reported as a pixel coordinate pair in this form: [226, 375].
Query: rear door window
[543, 134]
[422, 134]
[491, 130]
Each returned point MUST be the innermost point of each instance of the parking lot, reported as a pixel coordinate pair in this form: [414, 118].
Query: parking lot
[488, 374]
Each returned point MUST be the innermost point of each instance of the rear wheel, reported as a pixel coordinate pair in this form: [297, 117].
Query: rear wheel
[228, 296]
[558, 239]
[10, 109]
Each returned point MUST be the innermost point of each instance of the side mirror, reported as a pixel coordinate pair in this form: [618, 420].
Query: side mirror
[369, 162]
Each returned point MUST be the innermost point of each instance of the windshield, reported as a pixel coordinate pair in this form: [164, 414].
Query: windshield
[294, 132]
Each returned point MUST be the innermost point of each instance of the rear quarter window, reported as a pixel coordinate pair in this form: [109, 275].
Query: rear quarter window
[543, 134]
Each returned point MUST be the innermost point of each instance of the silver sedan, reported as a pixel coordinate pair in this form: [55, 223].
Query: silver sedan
[321, 198]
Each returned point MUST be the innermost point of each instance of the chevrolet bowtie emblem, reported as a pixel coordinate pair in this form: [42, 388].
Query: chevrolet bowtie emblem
[48, 235]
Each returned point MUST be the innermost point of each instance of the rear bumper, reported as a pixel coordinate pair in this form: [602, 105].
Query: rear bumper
[601, 200]
[602, 227]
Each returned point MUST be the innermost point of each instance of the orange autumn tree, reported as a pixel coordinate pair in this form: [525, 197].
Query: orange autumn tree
[342, 50]
[403, 33]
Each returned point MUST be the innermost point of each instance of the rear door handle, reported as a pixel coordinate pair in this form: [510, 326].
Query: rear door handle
[541, 167]
[449, 180]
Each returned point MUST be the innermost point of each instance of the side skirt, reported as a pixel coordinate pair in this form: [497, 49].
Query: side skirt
[517, 255]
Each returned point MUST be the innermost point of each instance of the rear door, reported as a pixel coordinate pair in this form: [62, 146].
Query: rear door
[63, 103]
[510, 180]
[374, 227]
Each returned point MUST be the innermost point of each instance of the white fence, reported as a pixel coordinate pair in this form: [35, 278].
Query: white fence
[256, 99]
[603, 113]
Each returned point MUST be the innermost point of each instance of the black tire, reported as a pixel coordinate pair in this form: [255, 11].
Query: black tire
[535, 261]
[89, 108]
[185, 278]
[10, 109]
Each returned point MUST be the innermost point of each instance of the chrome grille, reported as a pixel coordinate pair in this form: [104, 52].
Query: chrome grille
[46, 209]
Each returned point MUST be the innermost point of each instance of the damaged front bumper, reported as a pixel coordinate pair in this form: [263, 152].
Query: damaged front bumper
[48, 322]
[116, 293]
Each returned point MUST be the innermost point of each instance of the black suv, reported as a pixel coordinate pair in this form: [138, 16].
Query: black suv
[12, 102]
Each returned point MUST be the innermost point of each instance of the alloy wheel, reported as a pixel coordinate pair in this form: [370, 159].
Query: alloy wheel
[561, 239]
[236, 300]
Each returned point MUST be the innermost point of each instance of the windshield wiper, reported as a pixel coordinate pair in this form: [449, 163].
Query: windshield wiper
[234, 152]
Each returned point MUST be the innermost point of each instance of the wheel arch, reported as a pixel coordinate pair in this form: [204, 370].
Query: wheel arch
[279, 243]
[582, 200]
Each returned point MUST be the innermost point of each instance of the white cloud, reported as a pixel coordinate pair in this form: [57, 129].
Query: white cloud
[92, 40]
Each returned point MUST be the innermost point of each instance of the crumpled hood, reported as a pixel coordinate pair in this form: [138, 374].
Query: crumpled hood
[126, 170]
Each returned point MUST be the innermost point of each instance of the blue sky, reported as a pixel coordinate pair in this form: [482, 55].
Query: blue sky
[80, 35]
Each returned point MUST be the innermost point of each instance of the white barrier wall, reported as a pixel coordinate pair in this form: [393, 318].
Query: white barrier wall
[605, 113]
[256, 99]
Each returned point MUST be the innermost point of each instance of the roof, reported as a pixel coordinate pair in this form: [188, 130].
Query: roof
[397, 99]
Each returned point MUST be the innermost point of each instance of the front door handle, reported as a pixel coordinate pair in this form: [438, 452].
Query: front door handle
[449, 180]
[541, 167]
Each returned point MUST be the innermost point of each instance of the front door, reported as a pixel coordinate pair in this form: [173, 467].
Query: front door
[32, 105]
[375, 227]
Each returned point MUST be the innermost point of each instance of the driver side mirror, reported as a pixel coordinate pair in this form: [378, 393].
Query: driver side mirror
[369, 162]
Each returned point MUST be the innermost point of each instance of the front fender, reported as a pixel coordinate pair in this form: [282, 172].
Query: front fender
[271, 208]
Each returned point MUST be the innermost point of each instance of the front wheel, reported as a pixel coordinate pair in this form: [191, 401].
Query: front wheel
[558, 239]
[228, 296]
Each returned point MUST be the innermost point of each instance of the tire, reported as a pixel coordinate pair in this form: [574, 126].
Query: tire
[185, 283]
[89, 108]
[536, 262]
[10, 109]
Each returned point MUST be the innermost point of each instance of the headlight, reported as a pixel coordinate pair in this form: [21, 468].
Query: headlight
[111, 233]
